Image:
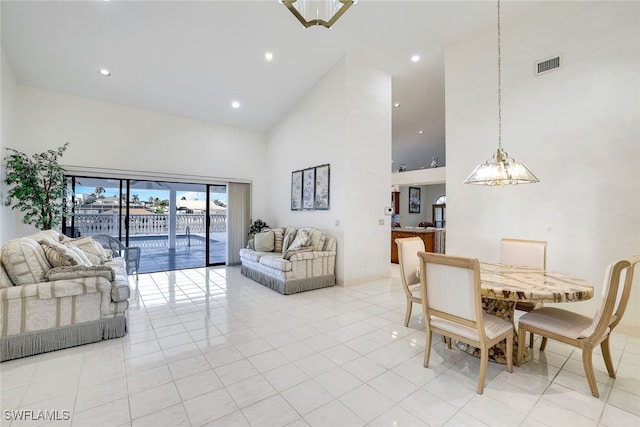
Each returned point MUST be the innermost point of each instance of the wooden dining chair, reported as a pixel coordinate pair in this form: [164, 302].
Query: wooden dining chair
[452, 307]
[584, 332]
[524, 253]
[408, 249]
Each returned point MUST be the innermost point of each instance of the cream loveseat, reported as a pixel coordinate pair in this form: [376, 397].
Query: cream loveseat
[57, 292]
[290, 260]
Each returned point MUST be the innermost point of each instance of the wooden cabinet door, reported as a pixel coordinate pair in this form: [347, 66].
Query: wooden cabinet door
[427, 238]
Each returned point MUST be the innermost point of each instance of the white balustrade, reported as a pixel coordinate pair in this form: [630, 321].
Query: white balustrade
[149, 224]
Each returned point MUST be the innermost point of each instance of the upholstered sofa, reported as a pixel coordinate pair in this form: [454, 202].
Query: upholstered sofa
[57, 292]
[290, 260]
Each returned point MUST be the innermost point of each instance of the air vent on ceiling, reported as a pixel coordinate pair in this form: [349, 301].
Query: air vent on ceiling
[547, 65]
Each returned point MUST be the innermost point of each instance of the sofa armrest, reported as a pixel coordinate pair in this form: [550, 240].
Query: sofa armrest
[17, 292]
[300, 256]
[72, 287]
[80, 272]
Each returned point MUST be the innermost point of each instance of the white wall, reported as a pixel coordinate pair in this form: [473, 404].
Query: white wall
[10, 223]
[114, 137]
[345, 120]
[576, 128]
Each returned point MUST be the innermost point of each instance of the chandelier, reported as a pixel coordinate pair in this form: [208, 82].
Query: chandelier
[318, 12]
[501, 169]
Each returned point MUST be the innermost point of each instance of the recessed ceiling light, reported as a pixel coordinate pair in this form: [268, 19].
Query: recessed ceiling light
[268, 56]
[396, 105]
[420, 132]
[415, 58]
[104, 72]
[235, 104]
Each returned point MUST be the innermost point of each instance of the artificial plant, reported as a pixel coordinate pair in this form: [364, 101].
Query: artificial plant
[36, 186]
[257, 226]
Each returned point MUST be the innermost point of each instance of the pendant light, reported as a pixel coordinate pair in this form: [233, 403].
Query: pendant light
[501, 169]
[318, 12]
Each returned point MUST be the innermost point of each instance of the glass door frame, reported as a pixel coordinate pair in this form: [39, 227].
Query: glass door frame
[208, 228]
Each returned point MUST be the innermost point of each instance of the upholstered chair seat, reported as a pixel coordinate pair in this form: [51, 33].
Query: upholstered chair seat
[580, 331]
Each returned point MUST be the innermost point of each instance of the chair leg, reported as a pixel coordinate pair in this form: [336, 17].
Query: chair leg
[510, 353]
[543, 345]
[407, 315]
[587, 362]
[427, 349]
[484, 361]
[606, 354]
[449, 343]
[531, 339]
[522, 333]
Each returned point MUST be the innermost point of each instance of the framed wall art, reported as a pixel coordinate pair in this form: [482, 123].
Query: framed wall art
[296, 190]
[322, 188]
[308, 188]
[414, 200]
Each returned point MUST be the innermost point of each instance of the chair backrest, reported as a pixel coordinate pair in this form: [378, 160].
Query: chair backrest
[451, 289]
[408, 249]
[109, 242]
[615, 295]
[524, 253]
[623, 297]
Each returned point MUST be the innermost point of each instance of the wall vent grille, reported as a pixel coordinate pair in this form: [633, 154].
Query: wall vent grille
[547, 65]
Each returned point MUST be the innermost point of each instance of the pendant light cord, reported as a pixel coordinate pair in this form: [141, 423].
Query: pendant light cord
[499, 83]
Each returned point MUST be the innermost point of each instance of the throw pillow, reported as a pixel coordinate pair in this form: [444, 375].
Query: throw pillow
[59, 255]
[89, 246]
[278, 239]
[317, 238]
[24, 261]
[88, 259]
[264, 241]
[301, 243]
[286, 242]
[289, 235]
[292, 252]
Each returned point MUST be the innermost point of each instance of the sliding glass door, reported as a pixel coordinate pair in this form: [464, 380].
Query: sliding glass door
[96, 206]
[176, 225]
[217, 224]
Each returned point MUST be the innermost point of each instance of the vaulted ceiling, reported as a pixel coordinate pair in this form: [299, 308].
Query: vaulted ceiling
[193, 58]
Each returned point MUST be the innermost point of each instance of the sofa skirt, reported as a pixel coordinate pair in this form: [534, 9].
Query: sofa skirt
[290, 286]
[36, 342]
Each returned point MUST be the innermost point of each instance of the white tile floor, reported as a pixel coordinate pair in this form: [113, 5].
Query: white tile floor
[208, 347]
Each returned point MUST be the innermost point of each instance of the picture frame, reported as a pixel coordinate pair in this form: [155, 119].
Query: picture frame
[296, 190]
[308, 188]
[414, 200]
[322, 180]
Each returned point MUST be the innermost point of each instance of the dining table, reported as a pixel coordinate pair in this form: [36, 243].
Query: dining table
[502, 286]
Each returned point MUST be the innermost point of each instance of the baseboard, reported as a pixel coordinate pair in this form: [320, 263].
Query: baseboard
[628, 329]
[363, 279]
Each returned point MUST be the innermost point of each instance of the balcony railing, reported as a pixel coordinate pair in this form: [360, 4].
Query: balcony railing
[150, 224]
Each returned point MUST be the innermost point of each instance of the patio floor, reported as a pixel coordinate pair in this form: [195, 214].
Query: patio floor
[157, 256]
